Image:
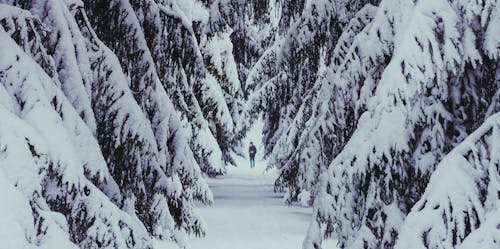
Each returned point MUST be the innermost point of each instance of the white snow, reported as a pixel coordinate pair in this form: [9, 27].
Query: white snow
[246, 213]
[453, 203]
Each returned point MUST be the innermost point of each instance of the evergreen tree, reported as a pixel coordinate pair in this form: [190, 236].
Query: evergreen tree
[64, 44]
[127, 141]
[181, 66]
[278, 98]
[236, 35]
[27, 30]
[461, 198]
[327, 117]
[152, 171]
[64, 203]
[165, 39]
[407, 127]
[290, 92]
[175, 161]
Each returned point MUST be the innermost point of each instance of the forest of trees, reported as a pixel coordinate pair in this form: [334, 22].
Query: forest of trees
[381, 115]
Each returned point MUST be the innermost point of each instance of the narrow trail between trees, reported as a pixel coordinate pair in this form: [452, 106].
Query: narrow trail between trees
[247, 214]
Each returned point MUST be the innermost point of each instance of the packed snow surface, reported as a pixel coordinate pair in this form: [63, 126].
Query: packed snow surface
[246, 213]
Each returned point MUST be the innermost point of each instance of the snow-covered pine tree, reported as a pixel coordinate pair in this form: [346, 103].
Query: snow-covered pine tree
[27, 221]
[168, 28]
[131, 165]
[282, 18]
[475, 93]
[127, 141]
[328, 115]
[42, 160]
[290, 12]
[461, 198]
[217, 39]
[236, 35]
[289, 93]
[65, 45]
[288, 70]
[184, 183]
[169, 156]
[279, 98]
[407, 128]
[27, 30]
[486, 236]
[179, 71]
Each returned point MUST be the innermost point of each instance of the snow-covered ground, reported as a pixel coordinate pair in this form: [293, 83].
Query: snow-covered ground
[247, 214]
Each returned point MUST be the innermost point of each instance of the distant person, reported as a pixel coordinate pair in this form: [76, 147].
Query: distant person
[252, 151]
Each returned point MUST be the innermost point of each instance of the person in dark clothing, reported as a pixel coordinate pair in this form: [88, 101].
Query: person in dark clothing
[252, 151]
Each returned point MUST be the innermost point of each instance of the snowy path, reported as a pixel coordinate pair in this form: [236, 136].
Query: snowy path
[247, 214]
